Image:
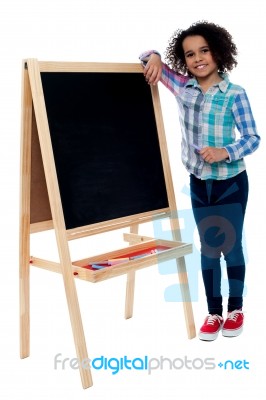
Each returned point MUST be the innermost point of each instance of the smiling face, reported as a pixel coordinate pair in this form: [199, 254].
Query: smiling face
[199, 60]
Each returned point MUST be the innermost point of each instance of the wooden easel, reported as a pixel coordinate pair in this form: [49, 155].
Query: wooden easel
[41, 209]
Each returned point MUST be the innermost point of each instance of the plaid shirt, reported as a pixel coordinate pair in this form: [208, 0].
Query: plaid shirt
[209, 119]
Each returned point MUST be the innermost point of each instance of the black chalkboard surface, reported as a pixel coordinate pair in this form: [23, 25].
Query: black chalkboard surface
[105, 145]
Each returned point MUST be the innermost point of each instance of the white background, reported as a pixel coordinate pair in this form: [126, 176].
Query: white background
[117, 31]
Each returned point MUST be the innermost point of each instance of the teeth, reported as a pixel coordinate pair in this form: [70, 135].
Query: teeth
[200, 66]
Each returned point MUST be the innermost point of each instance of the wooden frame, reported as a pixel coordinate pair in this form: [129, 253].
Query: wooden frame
[35, 137]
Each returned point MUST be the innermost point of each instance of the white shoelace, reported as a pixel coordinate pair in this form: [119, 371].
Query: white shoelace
[212, 318]
[233, 315]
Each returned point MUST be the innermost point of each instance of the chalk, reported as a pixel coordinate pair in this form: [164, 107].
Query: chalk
[196, 147]
[119, 260]
[154, 251]
[139, 256]
[143, 254]
[98, 262]
[114, 261]
[97, 266]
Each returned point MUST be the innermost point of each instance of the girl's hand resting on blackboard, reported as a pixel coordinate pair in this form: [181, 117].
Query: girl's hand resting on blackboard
[153, 69]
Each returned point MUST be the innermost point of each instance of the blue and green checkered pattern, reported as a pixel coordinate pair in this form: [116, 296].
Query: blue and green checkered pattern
[210, 119]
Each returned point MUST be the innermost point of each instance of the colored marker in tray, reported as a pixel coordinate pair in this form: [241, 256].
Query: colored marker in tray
[97, 265]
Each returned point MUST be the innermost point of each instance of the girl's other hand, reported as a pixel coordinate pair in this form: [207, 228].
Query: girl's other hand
[214, 154]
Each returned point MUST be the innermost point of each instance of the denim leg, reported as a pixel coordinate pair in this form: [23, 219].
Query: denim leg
[219, 209]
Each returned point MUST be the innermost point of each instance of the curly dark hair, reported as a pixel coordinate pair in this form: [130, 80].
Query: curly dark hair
[220, 42]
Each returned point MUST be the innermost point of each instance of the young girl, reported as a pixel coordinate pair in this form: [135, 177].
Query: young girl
[210, 108]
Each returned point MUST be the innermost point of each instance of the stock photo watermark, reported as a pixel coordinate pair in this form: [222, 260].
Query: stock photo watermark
[148, 364]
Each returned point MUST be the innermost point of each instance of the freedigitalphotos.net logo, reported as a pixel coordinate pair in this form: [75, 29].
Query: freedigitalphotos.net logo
[147, 364]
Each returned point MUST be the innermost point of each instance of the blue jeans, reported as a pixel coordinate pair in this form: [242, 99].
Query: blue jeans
[219, 208]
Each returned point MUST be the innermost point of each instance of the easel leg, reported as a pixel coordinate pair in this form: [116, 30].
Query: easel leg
[75, 316]
[79, 338]
[24, 286]
[58, 218]
[130, 289]
[24, 229]
[183, 280]
[185, 293]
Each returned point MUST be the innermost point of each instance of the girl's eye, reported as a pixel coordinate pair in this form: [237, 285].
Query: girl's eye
[189, 55]
[205, 50]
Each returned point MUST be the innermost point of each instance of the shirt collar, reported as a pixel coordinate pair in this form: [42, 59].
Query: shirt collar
[223, 85]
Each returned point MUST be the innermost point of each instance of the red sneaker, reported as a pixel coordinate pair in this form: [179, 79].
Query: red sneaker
[233, 325]
[212, 325]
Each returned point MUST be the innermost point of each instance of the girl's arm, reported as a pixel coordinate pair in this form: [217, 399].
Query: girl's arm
[249, 139]
[155, 70]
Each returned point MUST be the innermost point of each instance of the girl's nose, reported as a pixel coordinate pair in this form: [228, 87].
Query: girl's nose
[198, 57]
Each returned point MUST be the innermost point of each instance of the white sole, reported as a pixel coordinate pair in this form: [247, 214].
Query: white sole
[209, 336]
[232, 332]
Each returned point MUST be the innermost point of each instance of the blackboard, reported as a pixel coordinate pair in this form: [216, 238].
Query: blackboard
[105, 144]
